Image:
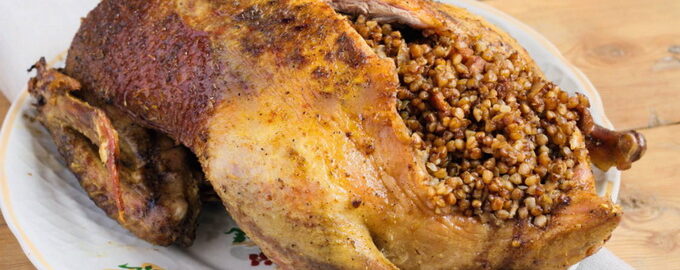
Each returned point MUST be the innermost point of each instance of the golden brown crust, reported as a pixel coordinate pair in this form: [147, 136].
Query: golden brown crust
[133, 48]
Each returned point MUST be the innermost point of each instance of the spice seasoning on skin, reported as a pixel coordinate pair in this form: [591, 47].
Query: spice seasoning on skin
[501, 142]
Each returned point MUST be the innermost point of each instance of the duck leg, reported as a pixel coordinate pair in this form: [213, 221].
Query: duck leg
[139, 177]
[610, 148]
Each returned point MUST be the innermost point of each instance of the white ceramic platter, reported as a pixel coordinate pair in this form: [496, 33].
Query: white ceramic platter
[59, 227]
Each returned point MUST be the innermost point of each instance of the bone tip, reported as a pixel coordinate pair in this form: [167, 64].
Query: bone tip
[641, 143]
[633, 145]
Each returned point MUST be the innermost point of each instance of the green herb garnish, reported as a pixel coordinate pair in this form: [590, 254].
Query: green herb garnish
[239, 235]
[125, 266]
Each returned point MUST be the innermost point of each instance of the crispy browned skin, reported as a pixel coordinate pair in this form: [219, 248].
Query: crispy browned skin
[293, 119]
[155, 195]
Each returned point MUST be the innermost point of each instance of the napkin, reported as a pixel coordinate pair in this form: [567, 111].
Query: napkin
[30, 29]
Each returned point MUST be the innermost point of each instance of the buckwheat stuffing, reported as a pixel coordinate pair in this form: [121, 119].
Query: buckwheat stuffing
[501, 142]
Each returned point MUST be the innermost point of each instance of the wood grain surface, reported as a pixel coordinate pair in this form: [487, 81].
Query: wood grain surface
[630, 49]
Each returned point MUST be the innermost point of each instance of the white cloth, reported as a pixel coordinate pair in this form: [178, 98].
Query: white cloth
[30, 29]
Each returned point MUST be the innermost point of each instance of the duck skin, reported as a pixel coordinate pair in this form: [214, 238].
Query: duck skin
[363, 134]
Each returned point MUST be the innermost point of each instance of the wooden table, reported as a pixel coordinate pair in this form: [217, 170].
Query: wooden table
[630, 49]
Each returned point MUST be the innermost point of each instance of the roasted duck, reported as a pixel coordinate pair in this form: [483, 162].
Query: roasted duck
[342, 134]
